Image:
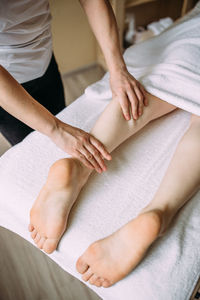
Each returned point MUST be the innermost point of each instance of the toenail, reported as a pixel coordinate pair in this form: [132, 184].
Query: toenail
[33, 234]
[82, 267]
[30, 227]
[86, 276]
[106, 283]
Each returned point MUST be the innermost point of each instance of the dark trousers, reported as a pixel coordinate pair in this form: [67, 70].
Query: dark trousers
[47, 90]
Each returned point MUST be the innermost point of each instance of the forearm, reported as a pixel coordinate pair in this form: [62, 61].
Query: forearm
[104, 26]
[16, 101]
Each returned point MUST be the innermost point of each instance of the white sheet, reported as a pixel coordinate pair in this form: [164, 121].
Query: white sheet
[167, 65]
[170, 270]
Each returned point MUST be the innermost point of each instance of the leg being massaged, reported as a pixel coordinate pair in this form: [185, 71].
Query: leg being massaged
[100, 262]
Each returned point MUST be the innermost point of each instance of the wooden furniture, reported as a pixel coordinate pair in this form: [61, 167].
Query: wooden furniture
[145, 11]
[187, 5]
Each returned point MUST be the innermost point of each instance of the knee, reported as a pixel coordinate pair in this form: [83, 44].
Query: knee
[195, 122]
[195, 119]
[157, 107]
[193, 133]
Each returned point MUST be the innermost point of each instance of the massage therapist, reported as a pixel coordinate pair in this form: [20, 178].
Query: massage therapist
[31, 90]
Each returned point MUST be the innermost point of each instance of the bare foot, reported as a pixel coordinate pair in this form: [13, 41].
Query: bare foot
[110, 259]
[48, 216]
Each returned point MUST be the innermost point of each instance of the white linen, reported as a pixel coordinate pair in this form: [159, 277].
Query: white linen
[25, 38]
[171, 267]
[168, 65]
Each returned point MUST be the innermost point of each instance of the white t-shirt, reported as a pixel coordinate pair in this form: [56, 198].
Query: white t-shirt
[25, 38]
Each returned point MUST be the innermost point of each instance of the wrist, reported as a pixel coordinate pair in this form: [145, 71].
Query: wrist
[54, 128]
[117, 68]
[114, 60]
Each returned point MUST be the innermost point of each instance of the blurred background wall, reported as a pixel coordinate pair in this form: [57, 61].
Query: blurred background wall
[75, 45]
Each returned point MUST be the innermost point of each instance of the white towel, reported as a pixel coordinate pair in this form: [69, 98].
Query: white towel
[168, 65]
[171, 267]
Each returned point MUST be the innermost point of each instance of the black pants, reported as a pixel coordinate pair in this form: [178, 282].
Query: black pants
[47, 90]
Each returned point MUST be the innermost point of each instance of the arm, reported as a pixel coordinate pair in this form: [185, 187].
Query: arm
[16, 101]
[127, 89]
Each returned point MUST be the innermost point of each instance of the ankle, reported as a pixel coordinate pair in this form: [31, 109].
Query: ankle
[85, 172]
[159, 216]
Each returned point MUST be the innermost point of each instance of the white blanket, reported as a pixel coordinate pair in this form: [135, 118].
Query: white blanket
[170, 270]
[167, 65]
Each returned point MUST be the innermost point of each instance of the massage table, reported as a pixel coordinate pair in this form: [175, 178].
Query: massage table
[170, 269]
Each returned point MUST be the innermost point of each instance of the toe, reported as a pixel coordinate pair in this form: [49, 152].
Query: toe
[101, 280]
[81, 265]
[33, 234]
[41, 242]
[86, 276]
[98, 282]
[30, 227]
[50, 245]
[93, 278]
[106, 283]
[37, 238]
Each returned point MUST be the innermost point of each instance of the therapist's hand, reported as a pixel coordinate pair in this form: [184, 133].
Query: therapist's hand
[129, 92]
[81, 145]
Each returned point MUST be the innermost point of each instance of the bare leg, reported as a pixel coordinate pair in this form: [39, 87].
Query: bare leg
[182, 178]
[67, 176]
[100, 262]
[111, 128]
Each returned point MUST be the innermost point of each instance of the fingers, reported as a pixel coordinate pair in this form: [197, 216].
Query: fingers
[99, 146]
[90, 152]
[134, 103]
[125, 106]
[91, 159]
[82, 158]
[97, 156]
[93, 152]
[140, 98]
[145, 99]
[136, 96]
[130, 93]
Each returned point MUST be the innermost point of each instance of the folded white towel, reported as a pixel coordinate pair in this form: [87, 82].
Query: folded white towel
[168, 65]
[160, 26]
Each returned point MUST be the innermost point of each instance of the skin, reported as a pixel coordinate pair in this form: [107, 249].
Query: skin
[15, 100]
[98, 264]
[49, 214]
[129, 92]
